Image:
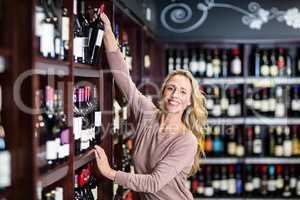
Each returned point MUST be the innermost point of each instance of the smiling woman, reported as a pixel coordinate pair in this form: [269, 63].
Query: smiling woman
[167, 138]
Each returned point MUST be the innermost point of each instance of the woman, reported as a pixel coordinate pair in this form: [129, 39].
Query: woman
[168, 139]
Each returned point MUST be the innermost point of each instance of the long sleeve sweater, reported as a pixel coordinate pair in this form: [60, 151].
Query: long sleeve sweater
[161, 162]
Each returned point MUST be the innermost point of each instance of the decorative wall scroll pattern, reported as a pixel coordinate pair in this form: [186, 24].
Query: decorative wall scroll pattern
[254, 17]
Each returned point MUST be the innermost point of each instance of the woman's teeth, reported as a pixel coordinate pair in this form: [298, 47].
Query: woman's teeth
[174, 103]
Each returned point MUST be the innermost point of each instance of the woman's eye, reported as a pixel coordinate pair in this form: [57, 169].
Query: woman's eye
[170, 88]
[183, 92]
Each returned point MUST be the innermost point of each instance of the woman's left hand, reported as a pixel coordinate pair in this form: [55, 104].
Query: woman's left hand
[103, 164]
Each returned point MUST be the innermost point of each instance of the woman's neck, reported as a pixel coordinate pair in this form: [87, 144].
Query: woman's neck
[171, 122]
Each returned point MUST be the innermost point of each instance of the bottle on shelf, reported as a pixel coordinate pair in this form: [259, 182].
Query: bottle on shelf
[55, 194]
[236, 63]
[96, 31]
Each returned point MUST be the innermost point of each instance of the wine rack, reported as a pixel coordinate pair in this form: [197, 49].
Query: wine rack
[246, 80]
[54, 66]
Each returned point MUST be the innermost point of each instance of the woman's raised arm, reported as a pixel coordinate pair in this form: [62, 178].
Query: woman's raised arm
[138, 103]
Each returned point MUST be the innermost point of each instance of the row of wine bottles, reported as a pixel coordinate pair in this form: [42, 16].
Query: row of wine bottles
[85, 185]
[222, 101]
[87, 118]
[55, 194]
[277, 141]
[52, 29]
[52, 128]
[246, 181]
[278, 101]
[215, 63]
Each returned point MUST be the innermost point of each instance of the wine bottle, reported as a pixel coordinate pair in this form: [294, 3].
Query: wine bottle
[249, 181]
[264, 180]
[257, 63]
[273, 64]
[170, 61]
[202, 63]
[231, 181]
[257, 141]
[224, 63]
[5, 167]
[264, 68]
[96, 36]
[279, 142]
[209, 65]
[281, 62]
[236, 64]
[193, 65]
[216, 64]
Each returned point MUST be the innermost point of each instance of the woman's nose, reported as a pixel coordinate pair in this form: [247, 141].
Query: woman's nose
[175, 93]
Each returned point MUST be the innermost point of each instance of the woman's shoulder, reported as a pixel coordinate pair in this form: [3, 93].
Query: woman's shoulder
[187, 139]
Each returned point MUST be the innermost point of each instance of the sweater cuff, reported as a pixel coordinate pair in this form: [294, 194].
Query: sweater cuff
[121, 178]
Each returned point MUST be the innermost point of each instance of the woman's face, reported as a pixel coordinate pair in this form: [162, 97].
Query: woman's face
[177, 94]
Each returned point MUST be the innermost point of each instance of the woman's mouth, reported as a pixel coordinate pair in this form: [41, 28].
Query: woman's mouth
[173, 102]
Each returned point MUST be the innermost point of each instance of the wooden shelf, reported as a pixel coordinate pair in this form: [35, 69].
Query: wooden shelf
[225, 81]
[54, 175]
[4, 52]
[44, 66]
[89, 73]
[220, 160]
[272, 160]
[271, 121]
[226, 121]
[250, 80]
[83, 159]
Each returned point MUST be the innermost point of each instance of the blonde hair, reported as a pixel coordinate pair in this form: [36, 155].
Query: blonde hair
[194, 117]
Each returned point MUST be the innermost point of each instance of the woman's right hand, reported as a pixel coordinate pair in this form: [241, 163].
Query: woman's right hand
[106, 22]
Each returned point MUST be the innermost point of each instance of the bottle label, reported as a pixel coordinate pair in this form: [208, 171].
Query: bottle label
[249, 102]
[209, 104]
[51, 150]
[232, 186]
[231, 148]
[193, 66]
[200, 189]
[231, 110]
[257, 146]
[273, 70]
[256, 182]
[264, 70]
[257, 104]
[95, 192]
[47, 40]
[295, 105]
[208, 191]
[280, 110]
[279, 183]
[202, 67]
[65, 28]
[278, 150]
[209, 70]
[216, 184]
[287, 147]
[39, 17]
[77, 47]
[240, 150]
[99, 38]
[224, 103]
[224, 185]
[98, 119]
[77, 124]
[265, 105]
[236, 66]
[272, 104]
[271, 185]
[5, 169]
[249, 187]
[217, 110]
[124, 113]
[293, 182]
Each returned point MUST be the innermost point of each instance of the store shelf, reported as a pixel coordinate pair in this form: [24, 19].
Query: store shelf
[259, 81]
[54, 175]
[272, 81]
[241, 198]
[226, 121]
[272, 160]
[84, 158]
[221, 81]
[90, 73]
[45, 66]
[271, 121]
[220, 161]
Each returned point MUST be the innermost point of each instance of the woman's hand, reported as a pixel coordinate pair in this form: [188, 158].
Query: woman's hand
[106, 23]
[103, 164]
[108, 37]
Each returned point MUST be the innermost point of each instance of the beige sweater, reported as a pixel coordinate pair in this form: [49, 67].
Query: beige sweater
[161, 162]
